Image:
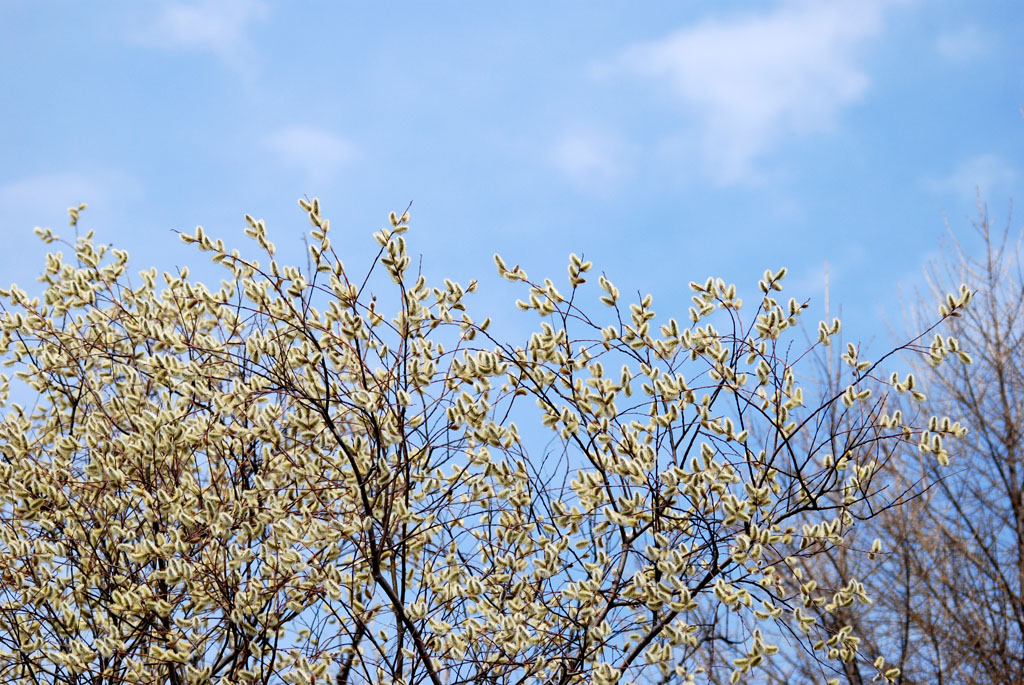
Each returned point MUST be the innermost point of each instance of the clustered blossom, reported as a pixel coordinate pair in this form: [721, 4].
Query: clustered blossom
[292, 478]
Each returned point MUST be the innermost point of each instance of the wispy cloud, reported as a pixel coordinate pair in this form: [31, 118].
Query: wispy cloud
[985, 174]
[215, 26]
[590, 160]
[43, 199]
[964, 44]
[44, 194]
[315, 152]
[750, 82]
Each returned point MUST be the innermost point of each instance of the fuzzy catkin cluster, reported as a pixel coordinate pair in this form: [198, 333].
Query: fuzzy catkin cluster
[301, 475]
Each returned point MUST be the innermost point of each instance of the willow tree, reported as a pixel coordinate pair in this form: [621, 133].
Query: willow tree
[302, 475]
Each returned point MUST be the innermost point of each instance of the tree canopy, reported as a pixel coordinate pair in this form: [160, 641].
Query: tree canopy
[303, 474]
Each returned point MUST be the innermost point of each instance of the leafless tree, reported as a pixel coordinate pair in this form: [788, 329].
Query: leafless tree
[947, 591]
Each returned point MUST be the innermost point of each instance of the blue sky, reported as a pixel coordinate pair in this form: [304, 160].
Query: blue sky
[665, 141]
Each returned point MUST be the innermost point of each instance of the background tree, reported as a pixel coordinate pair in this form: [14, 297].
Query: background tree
[947, 592]
[301, 475]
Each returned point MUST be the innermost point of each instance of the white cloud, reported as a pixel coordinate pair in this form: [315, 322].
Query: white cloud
[963, 45]
[46, 193]
[49, 190]
[317, 153]
[217, 26]
[590, 160]
[750, 82]
[985, 174]
[43, 199]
